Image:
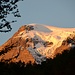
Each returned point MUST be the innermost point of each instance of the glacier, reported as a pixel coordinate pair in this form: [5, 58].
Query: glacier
[44, 40]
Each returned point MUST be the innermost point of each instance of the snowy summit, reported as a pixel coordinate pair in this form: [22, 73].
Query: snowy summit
[42, 41]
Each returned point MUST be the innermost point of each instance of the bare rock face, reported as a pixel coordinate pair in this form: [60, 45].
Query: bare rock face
[14, 50]
[67, 44]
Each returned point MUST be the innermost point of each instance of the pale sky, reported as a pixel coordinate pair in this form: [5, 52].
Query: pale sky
[59, 13]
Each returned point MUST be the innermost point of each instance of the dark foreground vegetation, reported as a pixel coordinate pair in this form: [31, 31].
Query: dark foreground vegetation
[61, 65]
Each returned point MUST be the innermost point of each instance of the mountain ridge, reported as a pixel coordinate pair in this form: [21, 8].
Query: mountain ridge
[40, 42]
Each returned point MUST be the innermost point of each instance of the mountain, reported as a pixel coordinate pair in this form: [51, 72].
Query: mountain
[36, 43]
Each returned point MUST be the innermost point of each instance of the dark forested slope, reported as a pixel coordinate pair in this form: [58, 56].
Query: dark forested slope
[62, 64]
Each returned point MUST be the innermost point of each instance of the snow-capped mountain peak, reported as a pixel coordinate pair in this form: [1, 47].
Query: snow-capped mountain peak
[42, 41]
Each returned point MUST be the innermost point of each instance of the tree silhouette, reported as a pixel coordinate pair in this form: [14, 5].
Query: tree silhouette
[8, 7]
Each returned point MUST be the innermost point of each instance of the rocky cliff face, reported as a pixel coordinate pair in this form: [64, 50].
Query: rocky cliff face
[14, 50]
[36, 43]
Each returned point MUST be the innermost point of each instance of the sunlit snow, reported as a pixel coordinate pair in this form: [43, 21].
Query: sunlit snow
[42, 34]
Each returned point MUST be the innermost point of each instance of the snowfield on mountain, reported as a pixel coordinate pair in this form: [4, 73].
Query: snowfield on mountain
[40, 41]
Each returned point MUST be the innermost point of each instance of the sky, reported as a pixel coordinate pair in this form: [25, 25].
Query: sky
[60, 13]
